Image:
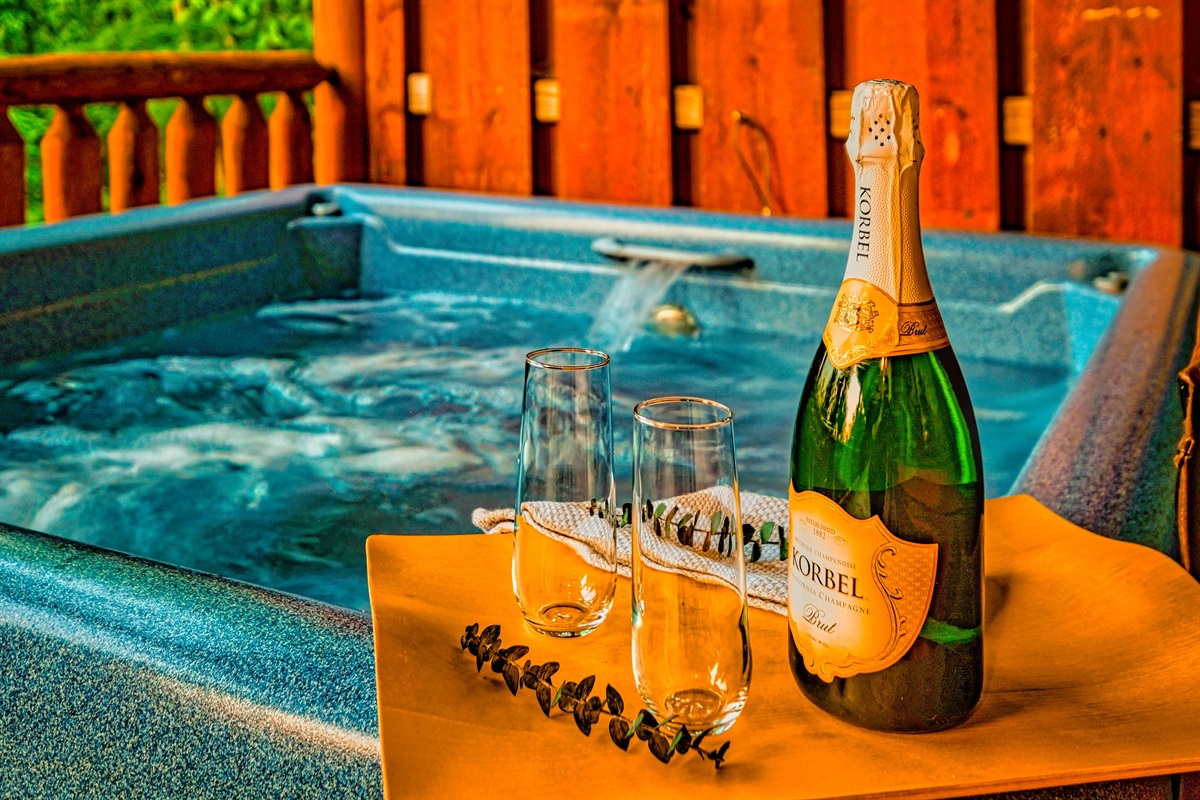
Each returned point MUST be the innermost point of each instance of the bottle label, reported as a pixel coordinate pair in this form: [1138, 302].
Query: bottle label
[857, 595]
[867, 323]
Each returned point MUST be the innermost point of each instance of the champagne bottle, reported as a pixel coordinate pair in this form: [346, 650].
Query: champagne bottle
[885, 592]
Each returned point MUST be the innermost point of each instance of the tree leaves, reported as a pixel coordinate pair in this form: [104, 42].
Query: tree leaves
[661, 747]
[587, 714]
[545, 698]
[512, 677]
[618, 730]
[615, 704]
[472, 632]
[719, 757]
[662, 738]
[566, 701]
[581, 719]
[682, 740]
[488, 644]
[720, 528]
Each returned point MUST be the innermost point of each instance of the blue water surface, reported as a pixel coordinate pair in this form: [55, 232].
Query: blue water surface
[267, 447]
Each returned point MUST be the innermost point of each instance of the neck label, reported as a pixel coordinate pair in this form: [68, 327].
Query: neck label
[867, 323]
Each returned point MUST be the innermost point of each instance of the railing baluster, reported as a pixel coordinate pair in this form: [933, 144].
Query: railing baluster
[12, 172]
[71, 172]
[291, 141]
[188, 164]
[133, 178]
[244, 146]
[191, 152]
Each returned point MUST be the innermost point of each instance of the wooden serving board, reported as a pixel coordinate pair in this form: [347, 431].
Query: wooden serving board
[1092, 651]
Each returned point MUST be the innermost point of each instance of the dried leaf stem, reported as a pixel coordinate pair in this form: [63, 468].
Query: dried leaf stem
[576, 699]
[691, 530]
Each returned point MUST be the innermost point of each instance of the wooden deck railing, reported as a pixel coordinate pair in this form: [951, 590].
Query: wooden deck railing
[71, 152]
[1077, 118]
[1054, 116]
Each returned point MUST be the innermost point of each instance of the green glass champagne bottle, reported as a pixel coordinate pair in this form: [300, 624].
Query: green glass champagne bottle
[885, 573]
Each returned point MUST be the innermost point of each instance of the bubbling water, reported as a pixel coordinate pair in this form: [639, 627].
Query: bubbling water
[267, 447]
[627, 306]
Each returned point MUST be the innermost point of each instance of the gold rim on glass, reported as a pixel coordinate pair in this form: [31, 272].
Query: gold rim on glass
[727, 419]
[601, 358]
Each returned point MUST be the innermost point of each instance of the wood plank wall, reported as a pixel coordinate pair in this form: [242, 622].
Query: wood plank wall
[612, 62]
[1106, 152]
[477, 133]
[1107, 86]
[765, 60]
[387, 118]
[947, 49]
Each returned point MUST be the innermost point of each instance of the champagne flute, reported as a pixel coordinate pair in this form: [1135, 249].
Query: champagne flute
[691, 645]
[564, 566]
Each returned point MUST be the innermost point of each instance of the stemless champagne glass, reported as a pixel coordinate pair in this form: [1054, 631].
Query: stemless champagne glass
[564, 565]
[691, 641]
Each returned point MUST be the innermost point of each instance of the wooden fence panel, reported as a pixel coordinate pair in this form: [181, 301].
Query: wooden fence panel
[478, 134]
[614, 137]
[385, 75]
[947, 49]
[765, 59]
[339, 124]
[1106, 82]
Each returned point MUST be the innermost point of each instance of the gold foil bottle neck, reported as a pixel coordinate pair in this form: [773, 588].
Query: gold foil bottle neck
[885, 305]
[885, 123]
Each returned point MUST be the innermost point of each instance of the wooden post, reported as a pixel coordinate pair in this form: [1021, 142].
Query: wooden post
[133, 178]
[386, 121]
[12, 172]
[947, 49]
[614, 138]
[339, 137]
[1107, 92]
[291, 147]
[244, 146]
[764, 60]
[71, 174]
[191, 152]
[478, 132]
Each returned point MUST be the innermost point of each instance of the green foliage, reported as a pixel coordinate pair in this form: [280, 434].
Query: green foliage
[577, 700]
[684, 529]
[71, 26]
[31, 27]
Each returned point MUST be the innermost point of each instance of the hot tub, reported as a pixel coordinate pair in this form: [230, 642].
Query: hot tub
[249, 387]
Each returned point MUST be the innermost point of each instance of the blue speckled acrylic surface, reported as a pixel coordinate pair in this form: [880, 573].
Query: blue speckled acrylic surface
[125, 678]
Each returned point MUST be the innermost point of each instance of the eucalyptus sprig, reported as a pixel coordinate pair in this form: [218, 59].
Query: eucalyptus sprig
[576, 699]
[688, 530]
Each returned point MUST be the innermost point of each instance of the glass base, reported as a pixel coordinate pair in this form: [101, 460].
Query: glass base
[699, 710]
[566, 620]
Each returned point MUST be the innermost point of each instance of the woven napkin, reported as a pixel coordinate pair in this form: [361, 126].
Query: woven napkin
[766, 579]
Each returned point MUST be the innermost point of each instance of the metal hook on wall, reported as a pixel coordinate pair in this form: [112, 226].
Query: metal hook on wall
[762, 187]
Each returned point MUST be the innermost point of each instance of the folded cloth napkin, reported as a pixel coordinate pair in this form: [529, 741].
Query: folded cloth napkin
[766, 578]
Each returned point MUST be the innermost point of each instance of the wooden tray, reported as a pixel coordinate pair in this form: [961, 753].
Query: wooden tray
[1093, 648]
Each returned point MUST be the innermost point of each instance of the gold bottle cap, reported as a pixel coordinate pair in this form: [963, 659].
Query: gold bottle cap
[885, 122]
